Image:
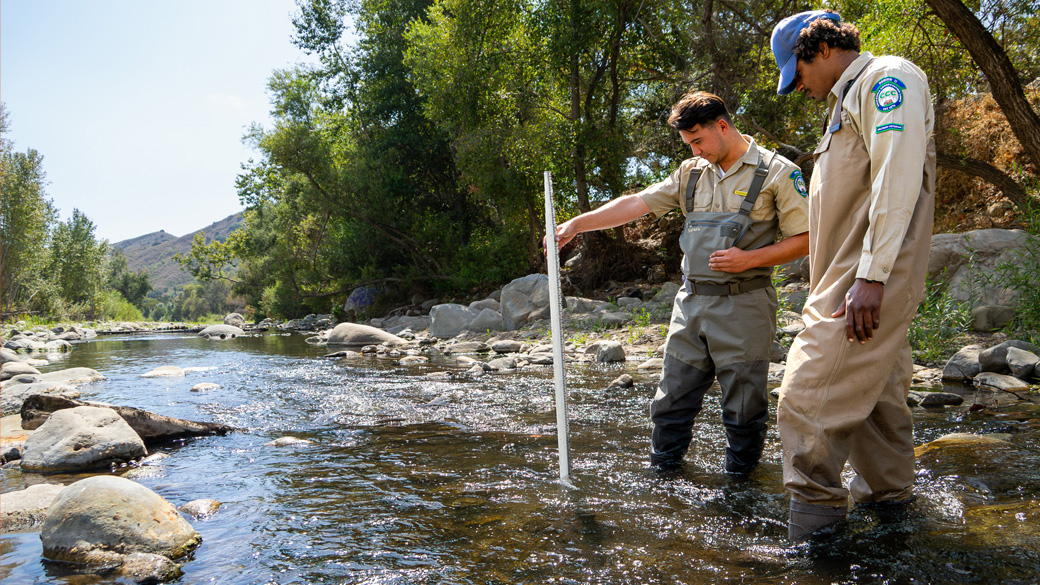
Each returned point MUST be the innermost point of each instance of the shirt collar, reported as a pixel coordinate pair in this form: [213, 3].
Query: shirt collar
[748, 158]
[850, 73]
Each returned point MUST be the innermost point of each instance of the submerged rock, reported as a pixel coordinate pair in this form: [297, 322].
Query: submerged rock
[102, 519]
[25, 509]
[148, 568]
[165, 372]
[201, 508]
[288, 442]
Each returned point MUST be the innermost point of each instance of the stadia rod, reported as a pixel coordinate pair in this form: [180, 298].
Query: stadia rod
[552, 253]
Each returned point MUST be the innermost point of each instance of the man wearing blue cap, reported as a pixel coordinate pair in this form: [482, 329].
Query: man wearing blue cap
[871, 201]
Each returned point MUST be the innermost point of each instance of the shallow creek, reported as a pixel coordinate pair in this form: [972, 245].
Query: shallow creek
[416, 481]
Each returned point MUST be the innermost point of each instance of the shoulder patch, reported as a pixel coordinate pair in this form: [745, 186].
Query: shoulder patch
[887, 127]
[799, 183]
[888, 93]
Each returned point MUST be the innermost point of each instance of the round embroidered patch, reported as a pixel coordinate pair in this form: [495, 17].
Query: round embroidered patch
[888, 96]
[799, 183]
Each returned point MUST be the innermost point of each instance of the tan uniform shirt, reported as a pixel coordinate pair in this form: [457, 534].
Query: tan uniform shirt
[783, 194]
[896, 133]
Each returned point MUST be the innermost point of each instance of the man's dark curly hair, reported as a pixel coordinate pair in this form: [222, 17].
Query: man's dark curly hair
[824, 30]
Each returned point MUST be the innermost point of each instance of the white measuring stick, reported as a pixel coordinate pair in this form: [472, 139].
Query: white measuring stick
[552, 252]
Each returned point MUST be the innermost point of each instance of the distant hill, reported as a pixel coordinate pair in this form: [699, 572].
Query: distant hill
[154, 252]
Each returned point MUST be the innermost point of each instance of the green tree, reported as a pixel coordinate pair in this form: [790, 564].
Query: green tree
[26, 216]
[134, 286]
[77, 260]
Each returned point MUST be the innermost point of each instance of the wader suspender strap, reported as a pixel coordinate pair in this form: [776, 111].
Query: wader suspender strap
[756, 187]
[691, 187]
[835, 124]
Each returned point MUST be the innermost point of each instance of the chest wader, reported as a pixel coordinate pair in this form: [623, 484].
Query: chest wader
[722, 327]
[844, 401]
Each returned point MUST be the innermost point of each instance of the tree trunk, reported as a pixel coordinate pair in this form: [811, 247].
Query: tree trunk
[581, 185]
[989, 173]
[994, 62]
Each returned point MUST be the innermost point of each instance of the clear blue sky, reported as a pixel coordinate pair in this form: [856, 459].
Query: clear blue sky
[139, 107]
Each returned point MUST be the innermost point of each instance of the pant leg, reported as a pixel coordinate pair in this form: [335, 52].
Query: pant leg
[745, 413]
[679, 399]
[831, 388]
[883, 447]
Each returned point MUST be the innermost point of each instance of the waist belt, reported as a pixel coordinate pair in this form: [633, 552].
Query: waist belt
[733, 288]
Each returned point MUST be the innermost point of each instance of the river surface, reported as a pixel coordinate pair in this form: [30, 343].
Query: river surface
[416, 481]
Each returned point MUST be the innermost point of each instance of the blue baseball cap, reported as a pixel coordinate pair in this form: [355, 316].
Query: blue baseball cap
[785, 36]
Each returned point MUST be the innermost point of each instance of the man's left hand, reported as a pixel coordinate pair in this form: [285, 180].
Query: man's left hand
[862, 309]
[731, 260]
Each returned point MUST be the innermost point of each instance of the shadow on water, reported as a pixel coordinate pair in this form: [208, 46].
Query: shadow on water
[412, 480]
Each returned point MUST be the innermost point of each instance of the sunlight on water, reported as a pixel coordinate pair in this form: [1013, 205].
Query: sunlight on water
[412, 480]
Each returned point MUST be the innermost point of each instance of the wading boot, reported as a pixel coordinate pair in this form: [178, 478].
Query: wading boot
[807, 519]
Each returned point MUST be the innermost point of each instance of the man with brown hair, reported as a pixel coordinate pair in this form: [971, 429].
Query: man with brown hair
[735, 195]
[870, 198]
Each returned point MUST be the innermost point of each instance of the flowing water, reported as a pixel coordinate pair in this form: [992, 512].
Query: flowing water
[410, 480]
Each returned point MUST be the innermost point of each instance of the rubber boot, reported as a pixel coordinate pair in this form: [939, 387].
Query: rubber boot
[744, 449]
[808, 519]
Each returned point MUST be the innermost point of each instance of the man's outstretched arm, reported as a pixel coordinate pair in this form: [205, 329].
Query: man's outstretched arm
[617, 212]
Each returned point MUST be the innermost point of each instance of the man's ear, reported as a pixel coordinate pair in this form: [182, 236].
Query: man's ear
[722, 125]
[825, 50]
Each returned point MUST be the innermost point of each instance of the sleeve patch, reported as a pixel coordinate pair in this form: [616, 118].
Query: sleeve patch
[799, 183]
[888, 94]
[887, 127]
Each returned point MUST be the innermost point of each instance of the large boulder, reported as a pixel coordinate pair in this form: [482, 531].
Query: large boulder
[80, 439]
[961, 262]
[151, 427]
[1022, 363]
[450, 319]
[102, 519]
[963, 365]
[221, 332]
[357, 335]
[235, 320]
[486, 320]
[994, 359]
[521, 298]
[361, 299]
[607, 351]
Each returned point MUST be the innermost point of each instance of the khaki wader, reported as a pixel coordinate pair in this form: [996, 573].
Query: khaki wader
[722, 327]
[843, 401]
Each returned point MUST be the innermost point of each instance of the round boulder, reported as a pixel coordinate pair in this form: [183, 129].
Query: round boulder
[234, 320]
[102, 519]
[357, 335]
[81, 438]
[221, 332]
[12, 369]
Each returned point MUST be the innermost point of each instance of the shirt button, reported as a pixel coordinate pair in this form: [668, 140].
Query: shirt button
[885, 270]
